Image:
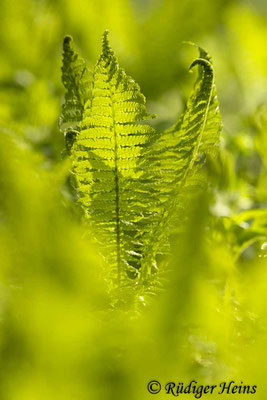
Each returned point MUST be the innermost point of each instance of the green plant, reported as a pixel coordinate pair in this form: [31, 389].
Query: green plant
[131, 180]
[191, 301]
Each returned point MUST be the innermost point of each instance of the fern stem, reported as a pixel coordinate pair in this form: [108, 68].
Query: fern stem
[107, 50]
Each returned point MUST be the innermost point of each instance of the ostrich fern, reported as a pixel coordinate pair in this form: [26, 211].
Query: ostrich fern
[174, 161]
[130, 179]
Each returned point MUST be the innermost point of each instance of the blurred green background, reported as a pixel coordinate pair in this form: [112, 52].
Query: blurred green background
[61, 337]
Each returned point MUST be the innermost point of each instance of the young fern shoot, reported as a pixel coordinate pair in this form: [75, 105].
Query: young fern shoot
[175, 160]
[105, 156]
[131, 180]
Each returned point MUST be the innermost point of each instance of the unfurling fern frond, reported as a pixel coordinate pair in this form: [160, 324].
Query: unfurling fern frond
[182, 149]
[106, 155]
[131, 180]
[76, 79]
[174, 161]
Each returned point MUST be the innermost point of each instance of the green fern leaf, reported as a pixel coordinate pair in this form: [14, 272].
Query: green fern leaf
[130, 180]
[105, 156]
[196, 133]
[174, 161]
[76, 79]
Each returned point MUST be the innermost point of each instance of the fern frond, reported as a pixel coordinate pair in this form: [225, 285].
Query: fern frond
[131, 181]
[105, 158]
[196, 133]
[174, 161]
[76, 79]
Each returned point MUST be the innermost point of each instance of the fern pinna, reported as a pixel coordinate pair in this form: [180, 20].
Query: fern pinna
[131, 180]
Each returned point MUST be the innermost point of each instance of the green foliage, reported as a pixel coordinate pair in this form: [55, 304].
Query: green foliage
[105, 160]
[131, 180]
[177, 158]
[191, 303]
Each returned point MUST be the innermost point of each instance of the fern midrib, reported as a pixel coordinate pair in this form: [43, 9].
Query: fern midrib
[117, 197]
